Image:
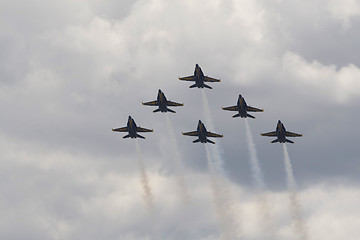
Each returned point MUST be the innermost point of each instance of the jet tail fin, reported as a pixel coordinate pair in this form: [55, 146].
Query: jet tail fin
[192, 86]
[251, 116]
[127, 136]
[139, 136]
[197, 140]
[236, 115]
[289, 141]
[170, 110]
[276, 140]
[156, 110]
[207, 86]
[210, 141]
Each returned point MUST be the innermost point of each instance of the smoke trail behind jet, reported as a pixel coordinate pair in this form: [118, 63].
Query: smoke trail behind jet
[259, 182]
[144, 179]
[295, 206]
[184, 193]
[254, 160]
[221, 201]
[215, 149]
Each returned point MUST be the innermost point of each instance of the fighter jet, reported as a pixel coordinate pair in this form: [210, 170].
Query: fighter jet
[202, 133]
[242, 108]
[199, 78]
[281, 134]
[132, 129]
[162, 103]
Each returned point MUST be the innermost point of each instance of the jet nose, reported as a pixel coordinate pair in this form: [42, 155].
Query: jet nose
[196, 65]
[159, 91]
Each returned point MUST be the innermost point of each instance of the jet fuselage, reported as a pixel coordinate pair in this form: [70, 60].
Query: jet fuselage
[131, 127]
[242, 106]
[202, 132]
[162, 101]
[199, 77]
[281, 131]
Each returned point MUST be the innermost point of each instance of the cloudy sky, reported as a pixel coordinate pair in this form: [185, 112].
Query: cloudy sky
[71, 70]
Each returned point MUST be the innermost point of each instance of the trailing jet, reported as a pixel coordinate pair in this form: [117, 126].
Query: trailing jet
[281, 134]
[199, 78]
[162, 103]
[132, 129]
[202, 133]
[242, 108]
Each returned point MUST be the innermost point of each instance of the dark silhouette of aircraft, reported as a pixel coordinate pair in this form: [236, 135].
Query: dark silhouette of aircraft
[202, 133]
[132, 129]
[242, 108]
[162, 103]
[281, 134]
[199, 78]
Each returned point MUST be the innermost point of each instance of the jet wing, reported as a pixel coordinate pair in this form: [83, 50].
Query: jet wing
[139, 129]
[152, 103]
[209, 79]
[290, 134]
[189, 78]
[232, 108]
[252, 109]
[210, 134]
[123, 129]
[194, 133]
[173, 104]
[269, 134]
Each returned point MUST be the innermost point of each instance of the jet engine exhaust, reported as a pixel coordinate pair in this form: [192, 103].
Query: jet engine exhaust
[258, 177]
[215, 149]
[144, 179]
[184, 193]
[295, 206]
[222, 201]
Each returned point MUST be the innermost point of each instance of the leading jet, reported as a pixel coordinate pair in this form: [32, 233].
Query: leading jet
[199, 78]
[242, 108]
[203, 134]
[162, 103]
[281, 134]
[132, 129]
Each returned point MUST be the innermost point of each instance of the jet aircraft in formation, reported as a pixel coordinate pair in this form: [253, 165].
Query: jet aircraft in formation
[162, 103]
[202, 134]
[281, 134]
[242, 108]
[132, 129]
[199, 78]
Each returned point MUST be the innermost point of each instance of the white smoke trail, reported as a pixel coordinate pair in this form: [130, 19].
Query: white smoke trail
[215, 149]
[222, 202]
[254, 160]
[222, 199]
[184, 193]
[144, 179]
[295, 206]
[258, 177]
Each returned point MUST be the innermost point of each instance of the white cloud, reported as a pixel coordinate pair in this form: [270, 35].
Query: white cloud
[344, 11]
[340, 85]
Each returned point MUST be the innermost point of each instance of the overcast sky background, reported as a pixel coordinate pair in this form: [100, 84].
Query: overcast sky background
[72, 70]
